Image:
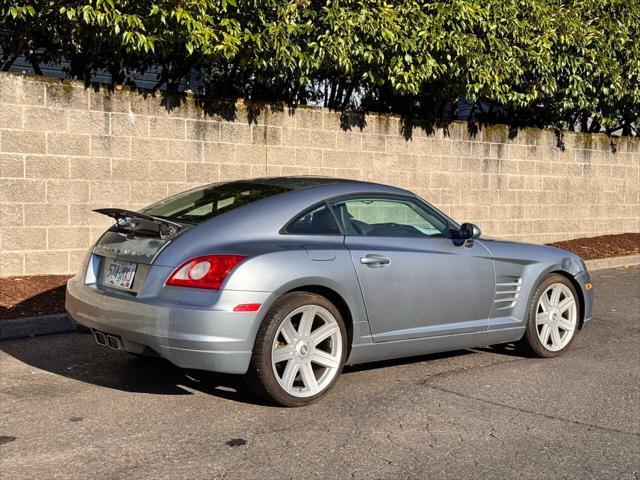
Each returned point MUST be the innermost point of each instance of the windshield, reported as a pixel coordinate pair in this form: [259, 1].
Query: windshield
[200, 204]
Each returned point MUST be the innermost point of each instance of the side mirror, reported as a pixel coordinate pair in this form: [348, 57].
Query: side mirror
[469, 232]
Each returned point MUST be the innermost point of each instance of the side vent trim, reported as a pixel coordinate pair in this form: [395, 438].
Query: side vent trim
[507, 294]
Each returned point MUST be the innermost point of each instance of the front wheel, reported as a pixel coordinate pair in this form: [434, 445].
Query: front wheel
[299, 351]
[553, 317]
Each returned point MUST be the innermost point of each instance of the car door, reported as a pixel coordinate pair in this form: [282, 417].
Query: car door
[415, 281]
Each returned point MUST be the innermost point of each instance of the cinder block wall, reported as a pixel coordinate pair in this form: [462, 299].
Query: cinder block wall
[65, 150]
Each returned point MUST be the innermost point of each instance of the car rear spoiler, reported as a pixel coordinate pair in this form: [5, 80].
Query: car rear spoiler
[137, 222]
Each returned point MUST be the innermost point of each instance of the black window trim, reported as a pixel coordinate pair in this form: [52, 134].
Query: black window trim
[452, 225]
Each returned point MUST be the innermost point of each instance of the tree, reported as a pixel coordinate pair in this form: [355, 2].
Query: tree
[561, 63]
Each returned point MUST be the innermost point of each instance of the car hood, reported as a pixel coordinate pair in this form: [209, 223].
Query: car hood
[533, 253]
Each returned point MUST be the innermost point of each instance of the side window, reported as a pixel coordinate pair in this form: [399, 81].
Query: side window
[316, 222]
[389, 217]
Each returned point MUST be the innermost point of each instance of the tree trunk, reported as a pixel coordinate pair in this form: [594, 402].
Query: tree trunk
[6, 64]
[347, 95]
[34, 63]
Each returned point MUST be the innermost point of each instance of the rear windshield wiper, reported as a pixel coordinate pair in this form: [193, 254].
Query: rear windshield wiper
[131, 221]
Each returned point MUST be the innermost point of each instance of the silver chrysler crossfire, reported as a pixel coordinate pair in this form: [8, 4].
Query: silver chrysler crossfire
[286, 280]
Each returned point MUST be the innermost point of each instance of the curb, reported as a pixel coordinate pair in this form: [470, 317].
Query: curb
[612, 262]
[61, 323]
[32, 326]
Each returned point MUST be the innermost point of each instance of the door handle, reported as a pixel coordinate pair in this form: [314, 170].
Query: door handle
[374, 260]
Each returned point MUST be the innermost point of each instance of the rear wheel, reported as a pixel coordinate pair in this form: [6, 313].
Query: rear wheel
[299, 350]
[553, 317]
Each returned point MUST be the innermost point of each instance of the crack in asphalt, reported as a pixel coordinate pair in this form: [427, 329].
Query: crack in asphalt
[427, 382]
[538, 414]
[503, 360]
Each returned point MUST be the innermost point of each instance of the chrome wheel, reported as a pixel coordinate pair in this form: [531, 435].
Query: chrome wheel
[556, 317]
[307, 351]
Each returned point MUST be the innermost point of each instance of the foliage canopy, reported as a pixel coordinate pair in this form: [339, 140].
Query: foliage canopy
[561, 63]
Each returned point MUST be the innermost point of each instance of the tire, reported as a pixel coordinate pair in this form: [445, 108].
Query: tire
[552, 324]
[299, 351]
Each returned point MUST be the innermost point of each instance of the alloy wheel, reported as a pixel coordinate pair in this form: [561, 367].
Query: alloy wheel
[307, 351]
[556, 317]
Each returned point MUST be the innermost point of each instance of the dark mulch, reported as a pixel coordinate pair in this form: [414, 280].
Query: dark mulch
[44, 294]
[603, 246]
[32, 296]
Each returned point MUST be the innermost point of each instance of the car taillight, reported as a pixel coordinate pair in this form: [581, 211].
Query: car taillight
[204, 272]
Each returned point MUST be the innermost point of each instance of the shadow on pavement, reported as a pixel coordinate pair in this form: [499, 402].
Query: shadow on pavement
[403, 361]
[76, 356]
[508, 349]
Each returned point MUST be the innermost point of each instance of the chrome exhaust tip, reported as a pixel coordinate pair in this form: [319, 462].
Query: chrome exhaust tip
[100, 337]
[113, 342]
[107, 340]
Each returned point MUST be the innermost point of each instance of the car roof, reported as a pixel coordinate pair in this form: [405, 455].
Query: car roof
[308, 182]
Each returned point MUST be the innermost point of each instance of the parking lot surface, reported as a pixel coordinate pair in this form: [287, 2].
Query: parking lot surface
[72, 409]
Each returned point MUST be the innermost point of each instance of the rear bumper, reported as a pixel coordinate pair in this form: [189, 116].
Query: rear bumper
[213, 338]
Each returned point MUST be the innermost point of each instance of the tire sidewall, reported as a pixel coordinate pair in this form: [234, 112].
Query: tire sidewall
[261, 366]
[531, 333]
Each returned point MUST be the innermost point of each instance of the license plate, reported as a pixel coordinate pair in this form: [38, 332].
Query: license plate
[120, 274]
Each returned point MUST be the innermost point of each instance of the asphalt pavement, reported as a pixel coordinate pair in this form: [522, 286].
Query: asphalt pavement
[72, 409]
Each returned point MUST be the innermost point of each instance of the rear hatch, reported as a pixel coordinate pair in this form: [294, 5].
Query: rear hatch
[126, 251]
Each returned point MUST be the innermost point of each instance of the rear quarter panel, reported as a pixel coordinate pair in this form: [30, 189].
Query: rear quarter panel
[294, 263]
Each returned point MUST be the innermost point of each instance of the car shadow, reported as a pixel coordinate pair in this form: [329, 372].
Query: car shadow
[508, 349]
[403, 361]
[76, 356]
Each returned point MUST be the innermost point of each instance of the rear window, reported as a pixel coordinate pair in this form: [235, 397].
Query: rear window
[198, 205]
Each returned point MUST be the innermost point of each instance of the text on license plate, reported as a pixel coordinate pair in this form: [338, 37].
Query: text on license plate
[120, 274]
